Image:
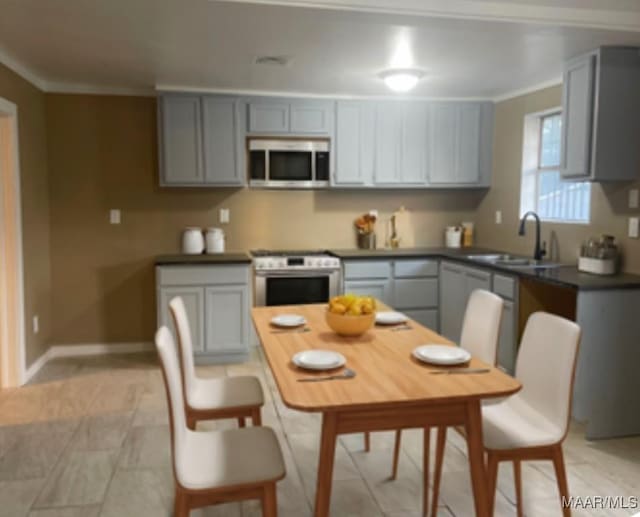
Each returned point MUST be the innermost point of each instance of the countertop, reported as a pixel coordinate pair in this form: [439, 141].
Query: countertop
[565, 275]
[233, 257]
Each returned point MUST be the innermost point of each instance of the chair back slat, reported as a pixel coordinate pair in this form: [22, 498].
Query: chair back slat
[185, 341]
[481, 327]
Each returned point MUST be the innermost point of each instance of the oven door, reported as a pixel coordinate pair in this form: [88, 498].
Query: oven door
[293, 288]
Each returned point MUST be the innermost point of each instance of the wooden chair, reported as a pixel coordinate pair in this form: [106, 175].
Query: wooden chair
[209, 399]
[532, 424]
[220, 466]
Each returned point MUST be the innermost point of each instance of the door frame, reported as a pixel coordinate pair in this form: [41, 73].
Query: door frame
[12, 362]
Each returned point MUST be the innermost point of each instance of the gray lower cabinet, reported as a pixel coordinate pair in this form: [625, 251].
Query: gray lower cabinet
[407, 285]
[200, 141]
[217, 299]
[456, 285]
[457, 282]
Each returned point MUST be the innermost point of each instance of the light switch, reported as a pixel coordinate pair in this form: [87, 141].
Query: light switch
[498, 216]
[634, 227]
[224, 215]
[633, 198]
[36, 324]
[114, 216]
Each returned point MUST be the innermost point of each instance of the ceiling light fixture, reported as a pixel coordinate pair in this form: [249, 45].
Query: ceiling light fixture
[402, 79]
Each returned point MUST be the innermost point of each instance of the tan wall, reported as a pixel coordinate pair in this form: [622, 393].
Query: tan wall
[609, 212]
[103, 155]
[35, 206]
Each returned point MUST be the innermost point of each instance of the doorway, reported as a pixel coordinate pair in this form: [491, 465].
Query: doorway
[12, 349]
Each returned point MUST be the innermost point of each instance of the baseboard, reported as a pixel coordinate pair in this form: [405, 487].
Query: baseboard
[87, 349]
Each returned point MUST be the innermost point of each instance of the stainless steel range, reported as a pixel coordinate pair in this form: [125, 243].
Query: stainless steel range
[295, 277]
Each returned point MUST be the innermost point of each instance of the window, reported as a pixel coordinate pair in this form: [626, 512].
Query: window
[543, 190]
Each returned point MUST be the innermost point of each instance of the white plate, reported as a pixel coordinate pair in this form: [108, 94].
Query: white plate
[390, 318]
[441, 354]
[318, 359]
[288, 320]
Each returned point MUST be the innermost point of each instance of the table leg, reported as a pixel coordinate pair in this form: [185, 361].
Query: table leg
[325, 464]
[473, 427]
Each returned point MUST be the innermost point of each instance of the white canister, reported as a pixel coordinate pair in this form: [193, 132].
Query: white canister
[215, 240]
[192, 241]
[453, 236]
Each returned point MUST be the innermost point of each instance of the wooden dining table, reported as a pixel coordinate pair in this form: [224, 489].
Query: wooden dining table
[391, 390]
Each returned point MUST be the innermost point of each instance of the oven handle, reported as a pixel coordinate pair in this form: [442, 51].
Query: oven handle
[301, 273]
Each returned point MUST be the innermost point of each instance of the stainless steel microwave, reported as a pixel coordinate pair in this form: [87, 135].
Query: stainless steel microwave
[288, 163]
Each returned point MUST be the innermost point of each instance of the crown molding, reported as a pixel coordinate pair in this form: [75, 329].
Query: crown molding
[530, 89]
[93, 89]
[22, 70]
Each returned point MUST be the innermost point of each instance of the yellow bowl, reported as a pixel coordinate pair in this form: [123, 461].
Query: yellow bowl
[346, 325]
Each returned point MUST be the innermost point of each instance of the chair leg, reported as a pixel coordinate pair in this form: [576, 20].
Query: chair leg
[437, 469]
[396, 454]
[242, 422]
[426, 446]
[517, 477]
[492, 479]
[256, 418]
[269, 501]
[561, 476]
[367, 441]
[181, 504]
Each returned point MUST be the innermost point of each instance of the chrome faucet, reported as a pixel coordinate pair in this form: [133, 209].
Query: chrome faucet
[539, 251]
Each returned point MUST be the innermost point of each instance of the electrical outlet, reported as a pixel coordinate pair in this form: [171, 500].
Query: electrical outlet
[224, 215]
[498, 216]
[633, 198]
[36, 324]
[114, 216]
[634, 227]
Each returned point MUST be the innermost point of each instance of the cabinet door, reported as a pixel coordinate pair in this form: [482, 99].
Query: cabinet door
[181, 140]
[577, 116]
[507, 348]
[443, 121]
[388, 144]
[426, 317]
[476, 279]
[193, 298]
[221, 139]
[268, 117]
[379, 289]
[452, 300]
[354, 143]
[468, 148]
[227, 312]
[310, 117]
[415, 293]
[413, 169]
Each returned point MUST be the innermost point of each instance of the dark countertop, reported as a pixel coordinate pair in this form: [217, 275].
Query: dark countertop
[564, 276]
[234, 257]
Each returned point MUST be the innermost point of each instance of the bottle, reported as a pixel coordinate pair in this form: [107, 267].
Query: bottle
[215, 240]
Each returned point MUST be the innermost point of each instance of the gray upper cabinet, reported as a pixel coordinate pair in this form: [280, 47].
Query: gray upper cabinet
[400, 144]
[268, 117]
[290, 116]
[601, 116]
[459, 144]
[200, 141]
[180, 140]
[354, 144]
[221, 138]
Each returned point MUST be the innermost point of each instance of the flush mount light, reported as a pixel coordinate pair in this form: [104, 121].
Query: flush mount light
[402, 79]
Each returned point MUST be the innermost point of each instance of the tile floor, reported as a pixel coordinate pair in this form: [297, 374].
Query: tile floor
[90, 437]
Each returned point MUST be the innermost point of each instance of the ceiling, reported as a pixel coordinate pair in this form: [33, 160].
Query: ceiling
[336, 47]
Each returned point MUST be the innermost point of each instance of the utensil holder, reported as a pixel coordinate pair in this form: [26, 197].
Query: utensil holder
[366, 241]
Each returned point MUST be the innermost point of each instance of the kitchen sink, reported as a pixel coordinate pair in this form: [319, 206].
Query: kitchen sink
[507, 260]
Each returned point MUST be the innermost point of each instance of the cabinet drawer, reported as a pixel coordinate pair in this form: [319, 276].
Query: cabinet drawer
[505, 286]
[416, 293]
[202, 275]
[367, 269]
[426, 317]
[413, 268]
